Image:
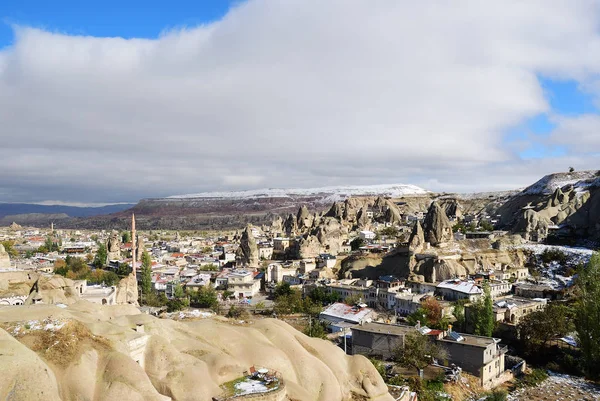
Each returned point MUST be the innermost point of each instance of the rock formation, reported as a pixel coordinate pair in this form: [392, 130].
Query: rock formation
[309, 247]
[277, 225]
[290, 227]
[362, 218]
[336, 211]
[4, 258]
[532, 226]
[127, 291]
[14, 226]
[436, 226]
[330, 234]
[113, 247]
[304, 219]
[139, 248]
[101, 356]
[248, 247]
[417, 238]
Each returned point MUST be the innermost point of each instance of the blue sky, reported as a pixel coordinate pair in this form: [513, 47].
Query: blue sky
[424, 97]
[124, 18]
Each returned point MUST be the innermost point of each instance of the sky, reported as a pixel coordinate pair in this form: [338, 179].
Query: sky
[113, 101]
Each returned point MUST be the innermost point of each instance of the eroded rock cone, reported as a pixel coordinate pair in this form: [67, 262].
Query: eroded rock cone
[249, 247]
[436, 227]
[417, 238]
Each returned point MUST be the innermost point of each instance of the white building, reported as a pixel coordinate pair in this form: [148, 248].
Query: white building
[367, 235]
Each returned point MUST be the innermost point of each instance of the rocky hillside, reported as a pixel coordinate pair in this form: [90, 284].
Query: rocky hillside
[217, 210]
[558, 205]
[89, 352]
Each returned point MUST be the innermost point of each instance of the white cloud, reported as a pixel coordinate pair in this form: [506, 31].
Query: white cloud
[287, 94]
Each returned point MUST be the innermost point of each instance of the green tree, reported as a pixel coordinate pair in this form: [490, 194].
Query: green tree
[315, 328]
[419, 316]
[482, 314]
[205, 297]
[282, 289]
[389, 231]
[124, 269]
[357, 243]
[178, 291]
[537, 328]
[146, 273]
[353, 299]
[288, 304]
[418, 351]
[9, 247]
[587, 315]
[101, 255]
[459, 315]
[319, 296]
[126, 237]
[209, 267]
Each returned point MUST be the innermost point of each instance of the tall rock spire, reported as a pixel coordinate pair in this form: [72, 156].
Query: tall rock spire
[133, 245]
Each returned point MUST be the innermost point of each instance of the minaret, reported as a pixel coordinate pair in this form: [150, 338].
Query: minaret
[133, 263]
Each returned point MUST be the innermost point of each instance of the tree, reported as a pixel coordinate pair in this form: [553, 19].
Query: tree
[389, 231]
[537, 328]
[282, 289]
[316, 329]
[288, 304]
[418, 317]
[205, 297]
[482, 316]
[10, 248]
[126, 237]
[101, 256]
[146, 273]
[357, 243]
[418, 351]
[352, 299]
[587, 315]
[210, 267]
[319, 296]
[433, 311]
[124, 269]
[178, 292]
[459, 315]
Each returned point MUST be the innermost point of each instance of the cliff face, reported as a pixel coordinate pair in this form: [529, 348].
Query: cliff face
[569, 203]
[107, 356]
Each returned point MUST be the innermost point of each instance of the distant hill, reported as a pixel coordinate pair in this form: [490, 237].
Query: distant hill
[14, 209]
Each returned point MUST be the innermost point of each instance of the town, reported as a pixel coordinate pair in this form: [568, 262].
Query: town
[435, 295]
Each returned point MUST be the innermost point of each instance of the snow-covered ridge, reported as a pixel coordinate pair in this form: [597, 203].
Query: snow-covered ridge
[548, 184]
[391, 190]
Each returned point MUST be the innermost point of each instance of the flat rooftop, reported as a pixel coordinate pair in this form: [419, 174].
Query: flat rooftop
[382, 328]
[468, 339]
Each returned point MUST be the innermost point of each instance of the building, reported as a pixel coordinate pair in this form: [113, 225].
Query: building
[499, 288]
[481, 356]
[378, 339]
[242, 283]
[198, 281]
[510, 310]
[339, 316]
[452, 290]
[367, 235]
[281, 245]
[325, 261]
[265, 252]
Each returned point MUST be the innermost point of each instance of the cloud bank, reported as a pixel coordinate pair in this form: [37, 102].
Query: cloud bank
[297, 93]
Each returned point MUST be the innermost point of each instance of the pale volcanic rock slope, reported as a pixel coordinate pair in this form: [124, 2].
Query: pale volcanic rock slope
[176, 360]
